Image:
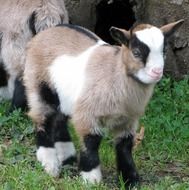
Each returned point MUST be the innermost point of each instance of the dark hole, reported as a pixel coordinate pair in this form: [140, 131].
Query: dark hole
[116, 13]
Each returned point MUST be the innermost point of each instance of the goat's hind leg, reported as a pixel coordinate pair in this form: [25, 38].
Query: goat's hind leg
[54, 144]
[62, 141]
[46, 152]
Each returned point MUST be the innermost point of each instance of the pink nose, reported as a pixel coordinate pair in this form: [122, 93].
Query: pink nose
[157, 71]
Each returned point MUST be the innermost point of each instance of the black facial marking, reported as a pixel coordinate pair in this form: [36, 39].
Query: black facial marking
[125, 163]
[49, 96]
[32, 23]
[139, 49]
[3, 76]
[81, 30]
[55, 130]
[19, 99]
[89, 158]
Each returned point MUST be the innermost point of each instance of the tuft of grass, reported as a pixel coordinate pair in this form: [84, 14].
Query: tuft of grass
[162, 158]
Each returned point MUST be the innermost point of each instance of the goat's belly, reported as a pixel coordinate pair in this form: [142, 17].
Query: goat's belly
[113, 122]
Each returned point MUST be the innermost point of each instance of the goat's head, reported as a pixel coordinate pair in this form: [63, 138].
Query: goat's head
[145, 43]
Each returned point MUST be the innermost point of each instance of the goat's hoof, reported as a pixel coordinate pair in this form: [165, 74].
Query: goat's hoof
[132, 181]
[49, 160]
[93, 176]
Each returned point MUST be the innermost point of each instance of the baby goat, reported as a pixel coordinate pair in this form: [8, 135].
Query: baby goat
[19, 22]
[70, 72]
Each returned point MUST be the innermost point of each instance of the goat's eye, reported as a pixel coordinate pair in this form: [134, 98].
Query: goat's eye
[136, 53]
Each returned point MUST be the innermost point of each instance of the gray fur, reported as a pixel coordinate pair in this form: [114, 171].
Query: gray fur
[15, 28]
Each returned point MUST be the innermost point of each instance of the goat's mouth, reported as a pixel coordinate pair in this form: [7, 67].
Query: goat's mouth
[147, 77]
[156, 77]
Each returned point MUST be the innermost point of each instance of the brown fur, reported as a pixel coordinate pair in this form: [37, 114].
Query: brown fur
[40, 56]
[110, 97]
[116, 100]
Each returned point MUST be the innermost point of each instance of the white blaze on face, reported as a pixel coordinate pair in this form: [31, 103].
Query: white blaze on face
[153, 70]
[68, 76]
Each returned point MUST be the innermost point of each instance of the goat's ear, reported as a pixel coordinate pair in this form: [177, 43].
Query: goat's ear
[169, 29]
[120, 35]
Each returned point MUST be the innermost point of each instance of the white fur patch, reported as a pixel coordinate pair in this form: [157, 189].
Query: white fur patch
[93, 176]
[68, 75]
[7, 91]
[49, 160]
[64, 150]
[154, 39]
[5, 94]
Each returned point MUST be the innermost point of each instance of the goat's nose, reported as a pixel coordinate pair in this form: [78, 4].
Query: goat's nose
[157, 71]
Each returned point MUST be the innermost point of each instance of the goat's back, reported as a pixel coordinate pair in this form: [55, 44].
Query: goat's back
[60, 40]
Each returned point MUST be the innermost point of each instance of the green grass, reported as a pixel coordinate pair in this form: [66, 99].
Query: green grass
[162, 158]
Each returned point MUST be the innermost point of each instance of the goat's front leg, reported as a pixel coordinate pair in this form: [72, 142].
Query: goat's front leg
[125, 163]
[89, 162]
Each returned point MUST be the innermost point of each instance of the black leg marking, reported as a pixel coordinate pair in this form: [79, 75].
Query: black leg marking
[125, 163]
[19, 96]
[89, 158]
[46, 151]
[44, 137]
[3, 76]
[49, 96]
[56, 134]
[60, 128]
[61, 135]
[55, 130]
